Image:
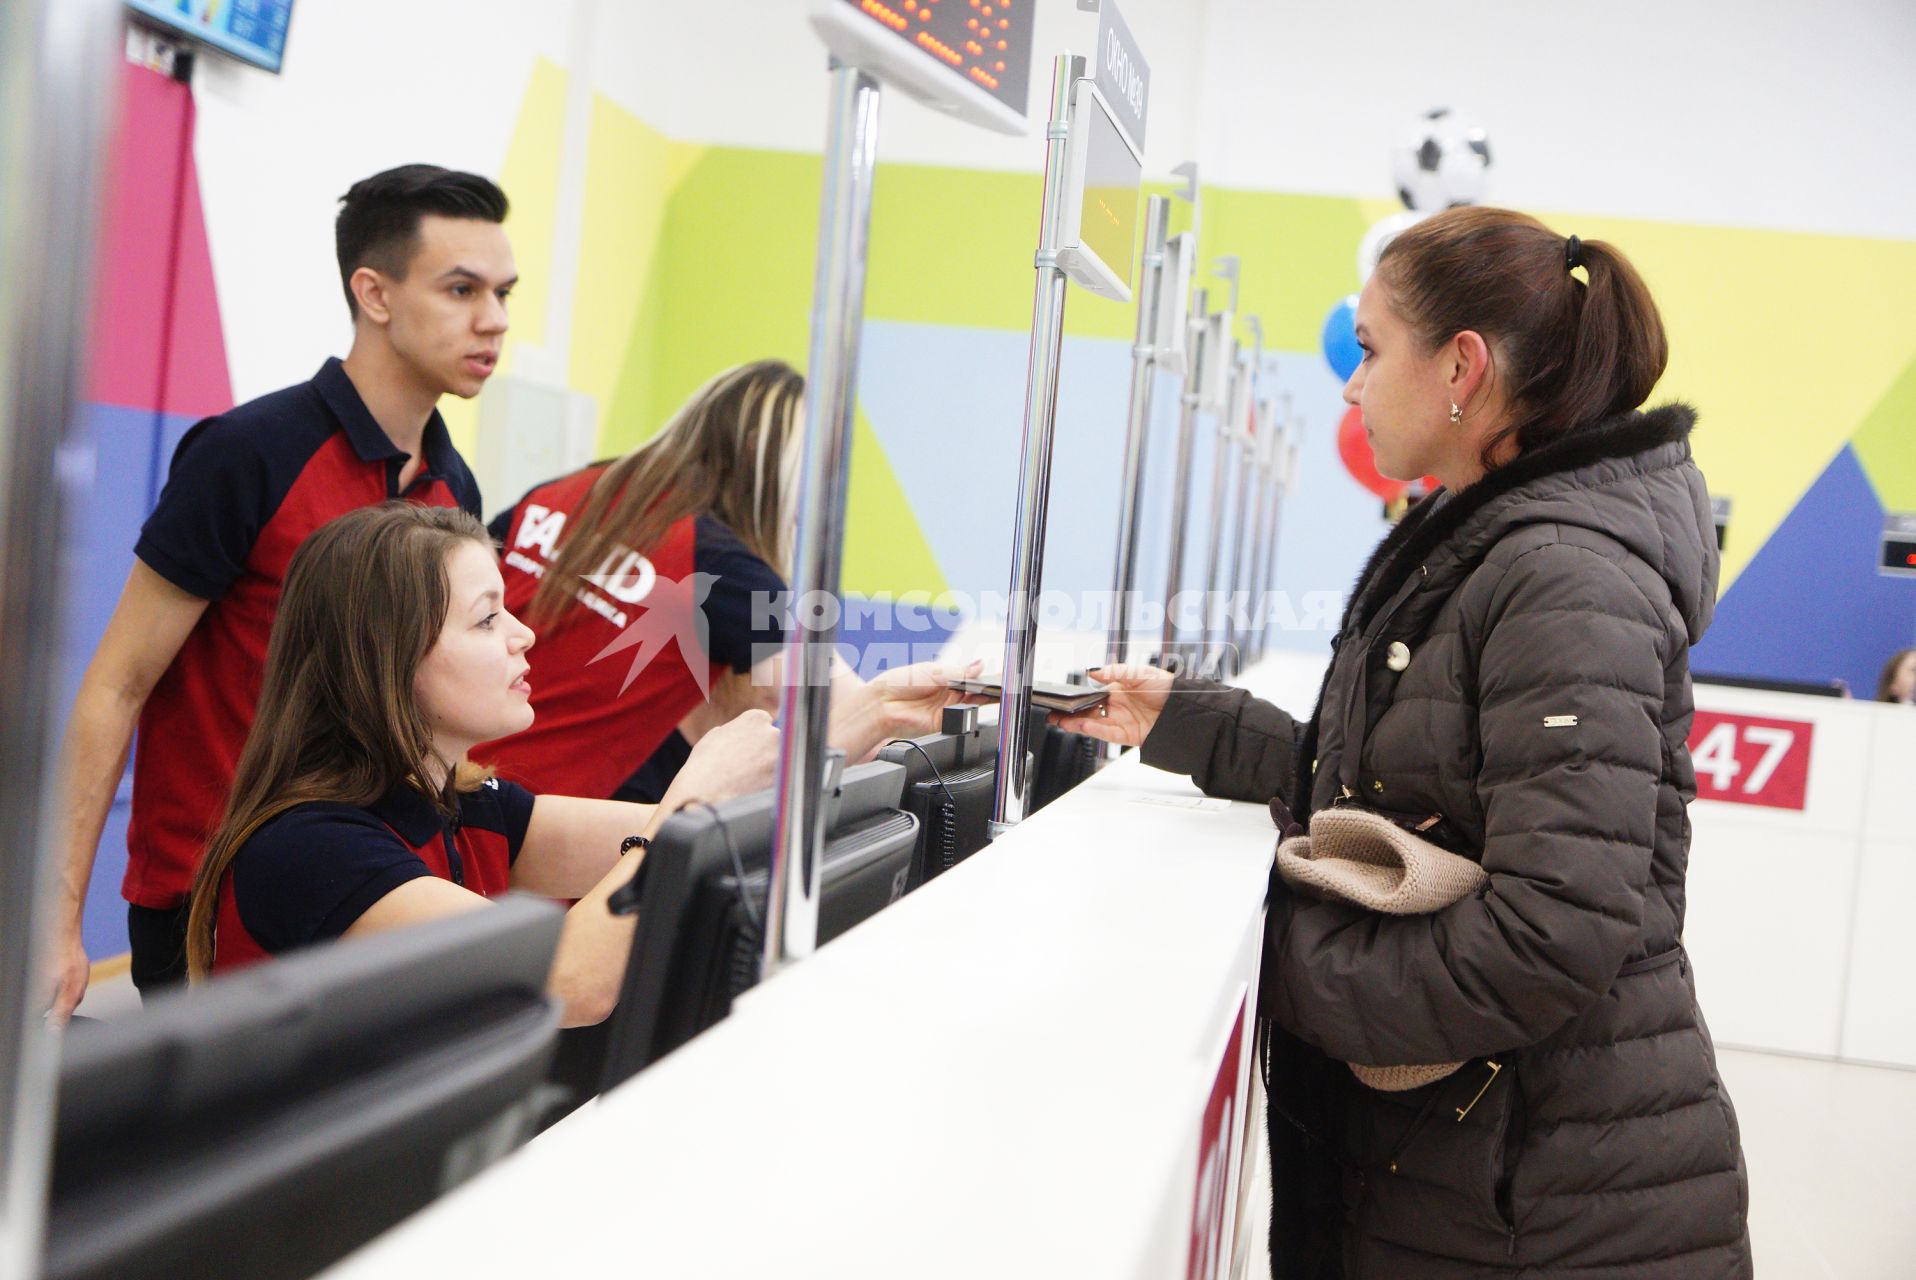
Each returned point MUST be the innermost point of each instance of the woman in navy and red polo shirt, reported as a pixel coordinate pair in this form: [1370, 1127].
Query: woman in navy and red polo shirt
[354, 808]
[652, 578]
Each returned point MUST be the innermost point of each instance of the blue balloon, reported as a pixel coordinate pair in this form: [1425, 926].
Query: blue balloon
[1340, 338]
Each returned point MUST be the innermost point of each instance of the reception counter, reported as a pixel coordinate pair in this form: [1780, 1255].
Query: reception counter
[1040, 1064]
[1037, 1065]
[1803, 874]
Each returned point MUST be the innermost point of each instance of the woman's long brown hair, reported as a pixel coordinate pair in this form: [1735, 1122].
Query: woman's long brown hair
[364, 601]
[730, 451]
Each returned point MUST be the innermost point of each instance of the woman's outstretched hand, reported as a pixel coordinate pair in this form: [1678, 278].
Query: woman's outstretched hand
[915, 697]
[738, 757]
[1136, 697]
[903, 702]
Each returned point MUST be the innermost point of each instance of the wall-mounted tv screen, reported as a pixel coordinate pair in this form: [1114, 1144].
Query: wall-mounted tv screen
[251, 30]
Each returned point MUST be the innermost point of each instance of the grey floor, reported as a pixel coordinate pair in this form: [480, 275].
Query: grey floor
[1832, 1185]
[1832, 1170]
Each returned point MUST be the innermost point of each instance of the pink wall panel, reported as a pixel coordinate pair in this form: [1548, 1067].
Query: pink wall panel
[197, 383]
[154, 267]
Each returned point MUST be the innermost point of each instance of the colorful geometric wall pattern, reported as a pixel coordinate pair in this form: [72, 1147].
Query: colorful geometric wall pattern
[1798, 350]
[156, 364]
[1810, 606]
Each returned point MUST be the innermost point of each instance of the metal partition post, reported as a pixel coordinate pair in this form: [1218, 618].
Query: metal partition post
[1271, 465]
[1283, 475]
[838, 309]
[56, 77]
[1220, 508]
[1241, 534]
[1137, 424]
[1196, 367]
[1268, 445]
[1034, 471]
[1253, 642]
[1243, 413]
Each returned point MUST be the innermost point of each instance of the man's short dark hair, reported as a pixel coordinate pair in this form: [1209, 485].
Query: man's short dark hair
[378, 224]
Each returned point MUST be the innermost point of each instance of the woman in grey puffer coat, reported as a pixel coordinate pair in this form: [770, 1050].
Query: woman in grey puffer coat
[1515, 658]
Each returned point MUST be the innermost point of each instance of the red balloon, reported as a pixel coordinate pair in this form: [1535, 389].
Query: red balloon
[1353, 446]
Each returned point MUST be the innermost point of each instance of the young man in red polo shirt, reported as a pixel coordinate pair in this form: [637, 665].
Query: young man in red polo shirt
[427, 269]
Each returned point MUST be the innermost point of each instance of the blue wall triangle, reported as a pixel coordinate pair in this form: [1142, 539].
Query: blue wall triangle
[1811, 605]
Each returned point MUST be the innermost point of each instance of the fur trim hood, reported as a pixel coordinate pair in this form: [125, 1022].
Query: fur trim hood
[1630, 477]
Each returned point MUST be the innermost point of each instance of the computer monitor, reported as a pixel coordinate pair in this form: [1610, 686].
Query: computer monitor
[949, 781]
[269, 1122]
[1064, 760]
[701, 906]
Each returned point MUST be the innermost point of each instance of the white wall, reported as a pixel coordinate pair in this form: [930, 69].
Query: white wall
[1766, 113]
[373, 83]
[368, 84]
[1763, 113]
[1742, 112]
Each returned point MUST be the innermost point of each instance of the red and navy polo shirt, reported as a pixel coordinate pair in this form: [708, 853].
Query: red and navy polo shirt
[614, 675]
[309, 872]
[245, 489]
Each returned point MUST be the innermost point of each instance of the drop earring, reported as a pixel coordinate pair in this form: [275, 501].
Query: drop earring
[1456, 414]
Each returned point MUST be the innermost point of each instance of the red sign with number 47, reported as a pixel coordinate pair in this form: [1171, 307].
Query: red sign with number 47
[1751, 760]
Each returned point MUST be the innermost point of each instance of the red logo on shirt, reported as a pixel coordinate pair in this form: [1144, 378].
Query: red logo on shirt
[672, 613]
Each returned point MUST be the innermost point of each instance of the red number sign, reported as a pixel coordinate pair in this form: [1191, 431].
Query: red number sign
[1750, 759]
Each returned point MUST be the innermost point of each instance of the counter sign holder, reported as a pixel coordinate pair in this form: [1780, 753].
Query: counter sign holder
[971, 63]
[1088, 234]
[1899, 545]
[1164, 290]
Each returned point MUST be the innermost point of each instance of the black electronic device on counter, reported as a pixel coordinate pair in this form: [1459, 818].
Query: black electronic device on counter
[268, 1122]
[702, 896]
[1064, 760]
[950, 778]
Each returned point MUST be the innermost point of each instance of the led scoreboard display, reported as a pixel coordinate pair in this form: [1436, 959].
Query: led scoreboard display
[968, 57]
[984, 42]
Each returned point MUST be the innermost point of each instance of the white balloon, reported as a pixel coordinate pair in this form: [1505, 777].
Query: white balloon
[1371, 247]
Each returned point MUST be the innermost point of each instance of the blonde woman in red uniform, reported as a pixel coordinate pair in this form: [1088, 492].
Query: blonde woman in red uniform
[658, 576]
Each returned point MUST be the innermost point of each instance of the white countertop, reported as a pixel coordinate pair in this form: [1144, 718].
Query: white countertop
[1003, 1074]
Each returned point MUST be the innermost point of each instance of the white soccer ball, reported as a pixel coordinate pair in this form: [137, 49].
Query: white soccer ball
[1444, 162]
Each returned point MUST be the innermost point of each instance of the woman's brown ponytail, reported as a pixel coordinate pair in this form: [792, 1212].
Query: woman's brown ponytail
[1570, 353]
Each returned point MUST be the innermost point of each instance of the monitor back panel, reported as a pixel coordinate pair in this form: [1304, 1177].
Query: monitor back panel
[266, 1124]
